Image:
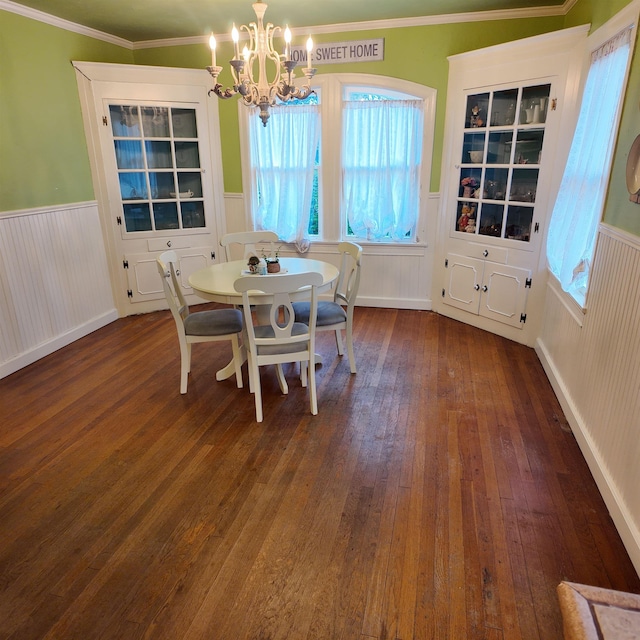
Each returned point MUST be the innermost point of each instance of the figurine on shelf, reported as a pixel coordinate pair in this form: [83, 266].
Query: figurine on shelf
[476, 120]
[465, 216]
[469, 184]
[471, 225]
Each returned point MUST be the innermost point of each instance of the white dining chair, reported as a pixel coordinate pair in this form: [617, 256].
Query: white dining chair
[249, 241]
[338, 315]
[281, 339]
[200, 326]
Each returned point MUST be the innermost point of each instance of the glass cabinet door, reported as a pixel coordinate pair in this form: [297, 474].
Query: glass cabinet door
[500, 161]
[158, 165]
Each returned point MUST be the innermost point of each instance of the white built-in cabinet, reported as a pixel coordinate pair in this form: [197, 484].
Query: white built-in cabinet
[510, 114]
[154, 142]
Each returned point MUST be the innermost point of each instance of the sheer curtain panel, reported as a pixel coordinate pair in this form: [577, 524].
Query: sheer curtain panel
[578, 207]
[283, 161]
[381, 157]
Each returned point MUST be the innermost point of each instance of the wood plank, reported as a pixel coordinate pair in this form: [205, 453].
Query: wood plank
[437, 494]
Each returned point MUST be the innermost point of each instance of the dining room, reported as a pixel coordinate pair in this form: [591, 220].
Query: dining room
[461, 459]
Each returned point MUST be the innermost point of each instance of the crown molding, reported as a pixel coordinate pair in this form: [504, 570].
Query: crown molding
[370, 25]
[47, 18]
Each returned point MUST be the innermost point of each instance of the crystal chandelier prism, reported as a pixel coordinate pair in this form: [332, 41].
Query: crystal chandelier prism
[253, 84]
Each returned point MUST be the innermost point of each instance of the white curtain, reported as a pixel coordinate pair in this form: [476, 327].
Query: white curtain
[578, 207]
[381, 156]
[283, 160]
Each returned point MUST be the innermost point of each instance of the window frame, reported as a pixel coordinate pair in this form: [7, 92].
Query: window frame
[331, 88]
[626, 18]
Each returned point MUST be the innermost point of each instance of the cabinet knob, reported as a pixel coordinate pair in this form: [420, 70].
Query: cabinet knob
[485, 288]
[169, 243]
[477, 287]
[485, 253]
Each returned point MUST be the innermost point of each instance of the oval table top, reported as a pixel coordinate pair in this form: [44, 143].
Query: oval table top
[215, 282]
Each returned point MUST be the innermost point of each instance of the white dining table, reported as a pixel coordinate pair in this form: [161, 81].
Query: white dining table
[216, 283]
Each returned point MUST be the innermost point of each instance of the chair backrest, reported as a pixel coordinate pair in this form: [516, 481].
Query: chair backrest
[168, 267]
[349, 279]
[248, 240]
[282, 329]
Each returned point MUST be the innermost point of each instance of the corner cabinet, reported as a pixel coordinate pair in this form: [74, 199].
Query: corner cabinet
[503, 159]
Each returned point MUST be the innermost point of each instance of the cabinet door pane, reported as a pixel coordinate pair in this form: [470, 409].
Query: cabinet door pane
[129, 154]
[503, 108]
[529, 146]
[133, 186]
[524, 183]
[184, 123]
[491, 217]
[166, 215]
[519, 223]
[155, 122]
[158, 154]
[477, 108]
[137, 217]
[125, 121]
[500, 144]
[187, 155]
[192, 214]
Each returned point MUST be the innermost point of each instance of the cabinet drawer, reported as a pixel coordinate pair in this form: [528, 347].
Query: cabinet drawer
[162, 244]
[484, 252]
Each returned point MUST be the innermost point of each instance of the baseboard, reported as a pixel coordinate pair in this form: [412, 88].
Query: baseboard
[395, 303]
[617, 509]
[46, 348]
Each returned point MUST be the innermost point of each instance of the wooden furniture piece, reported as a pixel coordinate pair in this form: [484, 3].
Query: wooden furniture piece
[216, 283]
[594, 613]
[201, 326]
[282, 339]
[338, 315]
[248, 240]
[507, 107]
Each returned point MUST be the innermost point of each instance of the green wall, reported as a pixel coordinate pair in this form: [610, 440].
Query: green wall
[418, 54]
[43, 152]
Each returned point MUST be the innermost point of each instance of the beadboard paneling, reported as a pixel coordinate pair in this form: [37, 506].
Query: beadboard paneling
[595, 369]
[54, 281]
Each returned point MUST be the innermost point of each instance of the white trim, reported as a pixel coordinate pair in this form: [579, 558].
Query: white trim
[60, 23]
[567, 301]
[49, 347]
[49, 209]
[620, 235]
[620, 515]
[393, 23]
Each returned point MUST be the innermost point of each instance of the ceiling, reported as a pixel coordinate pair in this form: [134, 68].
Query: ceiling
[144, 20]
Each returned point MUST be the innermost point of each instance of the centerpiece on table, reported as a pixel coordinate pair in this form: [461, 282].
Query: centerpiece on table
[273, 262]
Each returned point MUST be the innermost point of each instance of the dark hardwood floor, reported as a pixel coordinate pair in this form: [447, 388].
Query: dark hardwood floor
[438, 494]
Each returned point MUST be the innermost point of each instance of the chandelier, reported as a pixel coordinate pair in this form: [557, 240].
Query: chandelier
[262, 92]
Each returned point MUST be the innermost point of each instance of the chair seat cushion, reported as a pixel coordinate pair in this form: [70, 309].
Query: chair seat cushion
[329, 313]
[216, 322]
[266, 331]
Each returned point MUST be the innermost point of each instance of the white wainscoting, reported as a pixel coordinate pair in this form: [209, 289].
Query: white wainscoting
[595, 370]
[54, 281]
[393, 276]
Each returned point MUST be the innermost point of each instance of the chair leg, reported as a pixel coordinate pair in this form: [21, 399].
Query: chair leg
[352, 357]
[237, 364]
[282, 381]
[254, 384]
[185, 366]
[339, 342]
[304, 367]
[313, 398]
